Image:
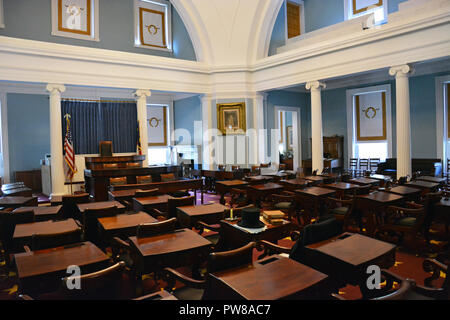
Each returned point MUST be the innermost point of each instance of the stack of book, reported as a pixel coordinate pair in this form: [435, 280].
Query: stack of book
[275, 217]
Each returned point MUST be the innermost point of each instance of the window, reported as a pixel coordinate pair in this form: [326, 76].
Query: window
[153, 24]
[75, 19]
[294, 18]
[375, 8]
[158, 155]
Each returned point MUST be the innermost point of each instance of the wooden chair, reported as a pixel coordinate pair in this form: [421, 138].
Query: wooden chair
[363, 165]
[265, 165]
[255, 171]
[217, 261]
[134, 165]
[373, 164]
[69, 205]
[110, 165]
[234, 168]
[411, 221]
[388, 292]
[284, 202]
[90, 222]
[353, 166]
[172, 205]
[118, 181]
[343, 211]
[151, 229]
[144, 179]
[221, 167]
[106, 149]
[282, 167]
[99, 285]
[166, 177]
[146, 193]
[239, 197]
[52, 240]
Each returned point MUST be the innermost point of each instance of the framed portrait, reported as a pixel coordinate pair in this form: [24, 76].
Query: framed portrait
[289, 137]
[231, 118]
[157, 125]
[2, 17]
[75, 19]
[153, 24]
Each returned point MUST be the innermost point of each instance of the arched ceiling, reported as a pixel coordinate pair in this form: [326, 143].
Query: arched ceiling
[229, 33]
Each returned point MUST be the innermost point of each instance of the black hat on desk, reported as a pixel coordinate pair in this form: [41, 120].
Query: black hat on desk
[250, 218]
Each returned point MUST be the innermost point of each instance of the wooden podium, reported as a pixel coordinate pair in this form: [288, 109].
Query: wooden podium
[100, 169]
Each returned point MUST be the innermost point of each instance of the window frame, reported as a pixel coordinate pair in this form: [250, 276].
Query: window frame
[351, 118]
[302, 19]
[168, 24]
[349, 13]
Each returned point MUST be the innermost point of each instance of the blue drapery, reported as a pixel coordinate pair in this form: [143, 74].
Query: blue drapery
[92, 122]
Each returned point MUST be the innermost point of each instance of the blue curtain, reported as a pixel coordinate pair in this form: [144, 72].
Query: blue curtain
[119, 122]
[92, 122]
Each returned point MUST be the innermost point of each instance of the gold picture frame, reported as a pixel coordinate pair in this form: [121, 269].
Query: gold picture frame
[358, 124]
[231, 118]
[152, 122]
[356, 11]
[88, 31]
[141, 27]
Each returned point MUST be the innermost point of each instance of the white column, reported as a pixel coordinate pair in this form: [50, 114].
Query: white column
[316, 124]
[401, 74]
[207, 117]
[141, 105]
[258, 125]
[56, 141]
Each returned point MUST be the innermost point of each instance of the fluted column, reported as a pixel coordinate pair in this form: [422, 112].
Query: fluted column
[207, 117]
[56, 141]
[401, 74]
[316, 124]
[141, 105]
[258, 125]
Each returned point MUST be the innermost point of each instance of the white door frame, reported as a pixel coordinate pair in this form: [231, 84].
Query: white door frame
[297, 138]
[441, 117]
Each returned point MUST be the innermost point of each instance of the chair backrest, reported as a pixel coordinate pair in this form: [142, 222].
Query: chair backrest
[431, 199]
[373, 163]
[146, 193]
[52, 240]
[106, 149]
[218, 261]
[234, 168]
[90, 216]
[133, 165]
[221, 167]
[144, 179]
[313, 233]
[9, 220]
[110, 165]
[402, 180]
[99, 285]
[353, 163]
[69, 204]
[363, 190]
[364, 164]
[108, 211]
[117, 181]
[264, 165]
[172, 204]
[154, 228]
[165, 177]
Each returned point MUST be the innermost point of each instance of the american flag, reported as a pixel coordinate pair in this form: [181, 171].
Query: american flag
[69, 153]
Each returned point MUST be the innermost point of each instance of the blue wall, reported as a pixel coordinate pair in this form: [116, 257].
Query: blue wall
[185, 113]
[28, 131]
[31, 19]
[278, 38]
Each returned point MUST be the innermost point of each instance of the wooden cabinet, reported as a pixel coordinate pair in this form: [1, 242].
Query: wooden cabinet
[32, 179]
[333, 153]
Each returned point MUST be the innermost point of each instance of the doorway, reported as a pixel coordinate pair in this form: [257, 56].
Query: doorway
[288, 126]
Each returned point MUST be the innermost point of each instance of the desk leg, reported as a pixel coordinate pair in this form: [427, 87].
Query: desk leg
[201, 193]
[195, 196]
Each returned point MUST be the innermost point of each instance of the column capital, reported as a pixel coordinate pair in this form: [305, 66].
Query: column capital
[142, 93]
[55, 88]
[401, 70]
[315, 85]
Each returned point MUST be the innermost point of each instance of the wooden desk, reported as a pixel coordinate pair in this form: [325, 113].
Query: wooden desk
[365, 181]
[101, 204]
[42, 213]
[41, 271]
[123, 225]
[410, 194]
[16, 202]
[23, 233]
[147, 204]
[262, 191]
[345, 258]
[232, 237]
[258, 179]
[293, 184]
[224, 187]
[57, 200]
[440, 181]
[315, 179]
[374, 206]
[188, 216]
[182, 247]
[425, 186]
[442, 212]
[311, 200]
[341, 188]
[163, 187]
[273, 278]
[380, 177]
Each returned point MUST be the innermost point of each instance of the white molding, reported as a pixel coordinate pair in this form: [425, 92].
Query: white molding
[351, 115]
[441, 123]
[94, 18]
[5, 142]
